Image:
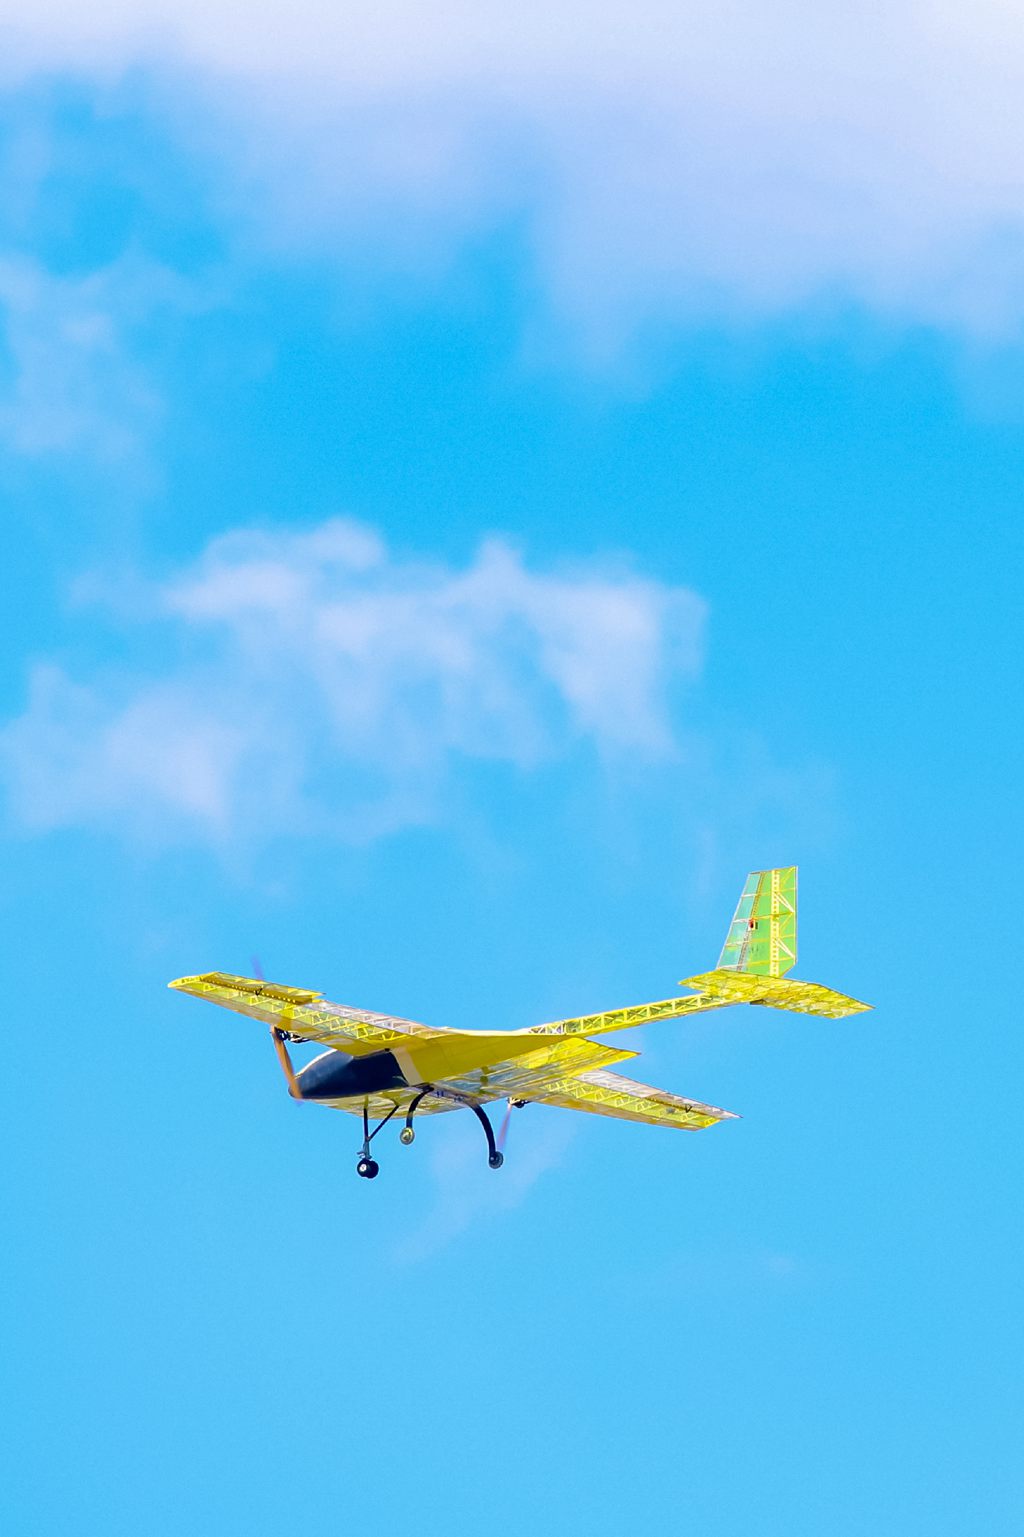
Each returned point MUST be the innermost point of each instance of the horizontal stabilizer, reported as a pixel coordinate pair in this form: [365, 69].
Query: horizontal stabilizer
[777, 993]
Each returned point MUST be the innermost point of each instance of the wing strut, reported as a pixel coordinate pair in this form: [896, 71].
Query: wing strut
[279, 1037]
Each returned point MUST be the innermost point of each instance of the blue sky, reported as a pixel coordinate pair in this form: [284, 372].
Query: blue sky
[470, 493]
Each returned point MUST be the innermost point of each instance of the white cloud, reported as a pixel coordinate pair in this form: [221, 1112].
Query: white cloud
[466, 1191]
[61, 342]
[701, 157]
[71, 381]
[316, 681]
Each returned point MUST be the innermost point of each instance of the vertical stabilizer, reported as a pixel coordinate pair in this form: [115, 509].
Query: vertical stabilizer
[762, 935]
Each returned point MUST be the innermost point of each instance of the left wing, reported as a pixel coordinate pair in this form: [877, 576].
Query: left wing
[473, 1061]
[306, 1013]
[604, 1093]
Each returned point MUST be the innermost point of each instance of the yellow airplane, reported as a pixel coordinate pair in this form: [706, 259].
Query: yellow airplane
[377, 1066]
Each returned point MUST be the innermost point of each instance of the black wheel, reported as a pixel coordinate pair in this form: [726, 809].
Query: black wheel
[496, 1160]
[367, 1168]
[406, 1136]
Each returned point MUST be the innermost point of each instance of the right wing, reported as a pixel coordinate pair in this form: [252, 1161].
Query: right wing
[604, 1093]
[526, 1076]
[634, 1014]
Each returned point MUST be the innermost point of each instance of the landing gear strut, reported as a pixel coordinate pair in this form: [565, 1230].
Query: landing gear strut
[494, 1158]
[367, 1167]
[407, 1134]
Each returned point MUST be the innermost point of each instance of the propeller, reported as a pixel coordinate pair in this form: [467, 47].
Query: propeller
[513, 1104]
[257, 971]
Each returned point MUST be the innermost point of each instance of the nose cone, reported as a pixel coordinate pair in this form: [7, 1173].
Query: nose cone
[337, 1075]
[325, 1077]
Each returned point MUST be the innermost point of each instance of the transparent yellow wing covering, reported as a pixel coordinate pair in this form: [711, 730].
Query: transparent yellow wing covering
[604, 1093]
[305, 1013]
[484, 1064]
[553, 1063]
[777, 993]
[522, 1077]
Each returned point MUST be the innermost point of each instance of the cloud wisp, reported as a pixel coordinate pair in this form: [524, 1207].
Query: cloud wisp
[73, 382]
[317, 682]
[708, 159]
[466, 1191]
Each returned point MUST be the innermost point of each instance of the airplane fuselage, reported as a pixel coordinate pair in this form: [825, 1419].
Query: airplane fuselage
[336, 1075]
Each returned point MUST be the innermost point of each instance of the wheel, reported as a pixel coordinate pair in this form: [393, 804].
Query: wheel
[406, 1136]
[496, 1160]
[367, 1168]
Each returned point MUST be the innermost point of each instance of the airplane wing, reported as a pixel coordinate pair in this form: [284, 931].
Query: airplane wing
[637, 1014]
[305, 1013]
[604, 1093]
[476, 1062]
[525, 1069]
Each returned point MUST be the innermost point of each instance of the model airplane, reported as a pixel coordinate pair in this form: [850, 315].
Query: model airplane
[378, 1067]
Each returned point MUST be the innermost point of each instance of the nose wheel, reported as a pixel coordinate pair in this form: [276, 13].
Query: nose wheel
[367, 1166]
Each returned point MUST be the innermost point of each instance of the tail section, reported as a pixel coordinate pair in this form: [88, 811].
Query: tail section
[762, 935]
[760, 948]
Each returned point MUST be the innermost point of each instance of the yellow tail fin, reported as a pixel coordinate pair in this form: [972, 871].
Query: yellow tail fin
[760, 948]
[762, 935]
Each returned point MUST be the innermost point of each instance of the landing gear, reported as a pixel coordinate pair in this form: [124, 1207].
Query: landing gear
[367, 1167]
[407, 1135]
[494, 1158]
